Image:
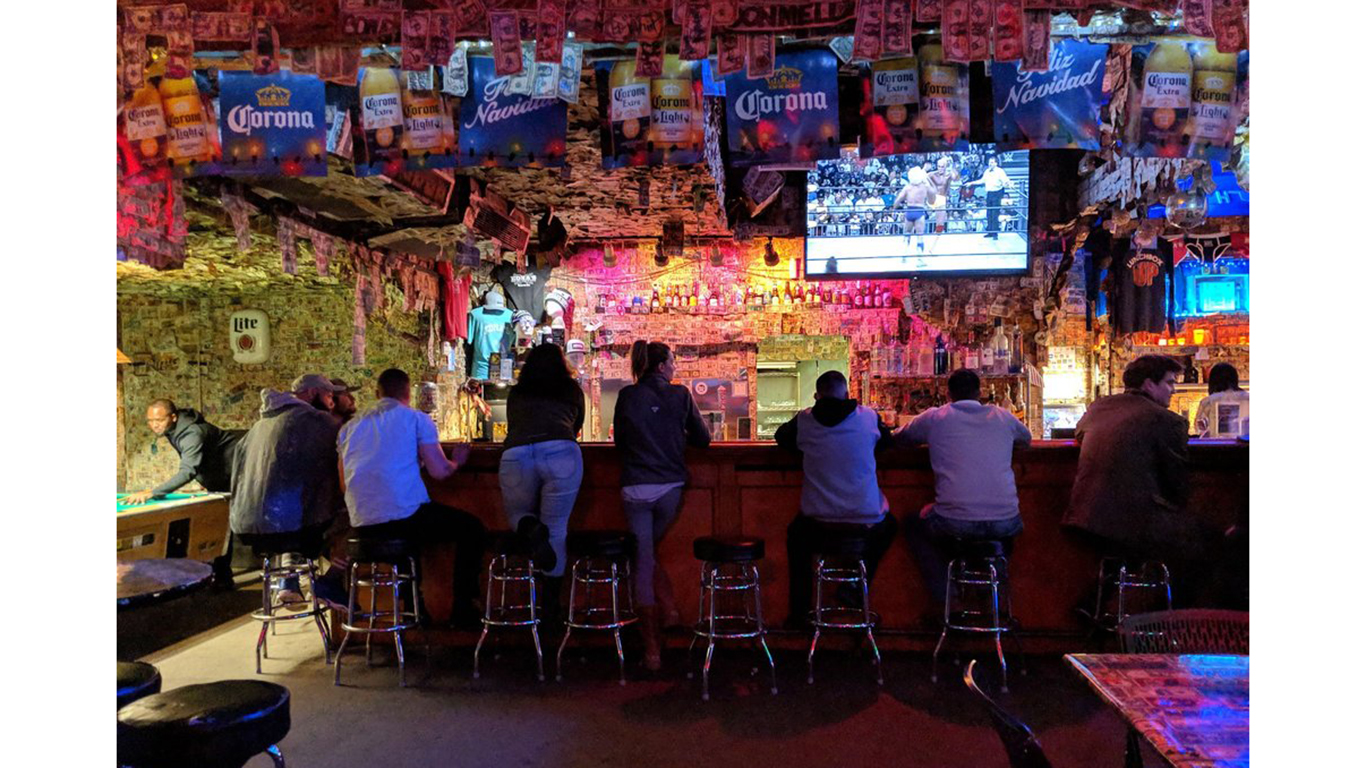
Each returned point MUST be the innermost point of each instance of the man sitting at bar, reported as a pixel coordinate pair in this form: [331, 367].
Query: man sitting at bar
[205, 450]
[343, 402]
[383, 451]
[837, 438]
[285, 470]
[1130, 492]
[974, 486]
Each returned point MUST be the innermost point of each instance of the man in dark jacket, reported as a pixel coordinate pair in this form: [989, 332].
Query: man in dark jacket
[1131, 485]
[205, 450]
[837, 438]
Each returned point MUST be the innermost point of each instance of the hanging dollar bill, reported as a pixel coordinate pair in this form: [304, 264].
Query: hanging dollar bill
[545, 84]
[724, 13]
[730, 53]
[571, 66]
[1009, 30]
[650, 58]
[929, 10]
[868, 30]
[550, 29]
[979, 30]
[957, 46]
[1196, 17]
[843, 48]
[414, 38]
[696, 42]
[650, 26]
[1038, 25]
[1230, 31]
[759, 58]
[507, 49]
[896, 26]
[455, 76]
[520, 83]
[419, 80]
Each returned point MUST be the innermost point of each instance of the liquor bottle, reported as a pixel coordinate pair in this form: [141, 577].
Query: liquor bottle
[827, 294]
[972, 360]
[1000, 350]
[655, 306]
[1016, 349]
[858, 295]
[941, 357]
[787, 294]
[1191, 374]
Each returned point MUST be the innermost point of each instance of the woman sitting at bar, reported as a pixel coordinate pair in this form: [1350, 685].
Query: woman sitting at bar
[1226, 412]
[654, 419]
[542, 467]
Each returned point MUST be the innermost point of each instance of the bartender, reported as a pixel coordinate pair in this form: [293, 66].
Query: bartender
[205, 450]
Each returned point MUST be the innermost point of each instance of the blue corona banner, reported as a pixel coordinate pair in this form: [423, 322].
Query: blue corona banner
[1057, 109]
[791, 116]
[272, 125]
[498, 128]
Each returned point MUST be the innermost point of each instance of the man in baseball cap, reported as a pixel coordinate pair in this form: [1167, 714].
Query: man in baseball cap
[315, 389]
[343, 404]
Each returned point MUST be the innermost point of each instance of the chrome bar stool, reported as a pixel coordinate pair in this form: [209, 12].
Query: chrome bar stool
[728, 569]
[977, 567]
[381, 565]
[285, 557]
[1122, 577]
[604, 559]
[511, 564]
[839, 561]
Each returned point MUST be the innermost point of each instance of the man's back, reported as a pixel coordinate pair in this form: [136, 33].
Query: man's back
[285, 468]
[379, 454]
[971, 445]
[1132, 468]
[837, 438]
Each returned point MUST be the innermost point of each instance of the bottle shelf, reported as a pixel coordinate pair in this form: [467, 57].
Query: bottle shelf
[945, 376]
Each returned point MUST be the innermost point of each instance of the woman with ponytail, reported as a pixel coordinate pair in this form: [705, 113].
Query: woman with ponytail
[654, 421]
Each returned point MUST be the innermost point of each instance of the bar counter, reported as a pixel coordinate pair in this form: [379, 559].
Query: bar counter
[755, 489]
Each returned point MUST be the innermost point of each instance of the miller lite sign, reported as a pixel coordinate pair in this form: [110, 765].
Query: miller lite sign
[272, 125]
[250, 336]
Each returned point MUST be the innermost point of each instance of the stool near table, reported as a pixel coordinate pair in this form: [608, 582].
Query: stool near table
[978, 566]
[284, 556]
[1123, 576]
[728, 569]
[212, 725]
[137, 679]
[511, 564]
[840, 552]
[381, 564]
[603, 559]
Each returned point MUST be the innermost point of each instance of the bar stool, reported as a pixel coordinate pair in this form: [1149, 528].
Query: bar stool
[137, 679]
[511, 564]
[1120, 575]
[387, 564]
[604, 557]
[977, 566]
[284, 556]
[728, 568]
[839, 560]
[212, 725]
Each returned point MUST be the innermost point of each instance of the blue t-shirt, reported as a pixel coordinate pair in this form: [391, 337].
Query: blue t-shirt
[487, 329]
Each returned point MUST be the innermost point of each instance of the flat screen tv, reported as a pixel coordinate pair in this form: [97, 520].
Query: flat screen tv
[937, 213]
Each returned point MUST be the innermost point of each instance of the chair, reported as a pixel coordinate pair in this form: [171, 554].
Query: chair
[1191, 630]
[285, 557]
[137, 679]
[976, 574]
[1022, 746]
[389, 564]
[840, 553]
[604, 560]
[728, 568]
[211, 725]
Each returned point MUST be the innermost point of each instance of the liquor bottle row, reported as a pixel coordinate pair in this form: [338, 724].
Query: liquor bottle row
[931, 354]
[699, 297]
[900, 403]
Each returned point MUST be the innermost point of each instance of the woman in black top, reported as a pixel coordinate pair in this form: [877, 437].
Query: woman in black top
[654, 420]
[542, 467]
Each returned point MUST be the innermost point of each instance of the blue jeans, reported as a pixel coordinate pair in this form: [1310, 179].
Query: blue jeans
[930, 538]
[542, 480]
[649, 521]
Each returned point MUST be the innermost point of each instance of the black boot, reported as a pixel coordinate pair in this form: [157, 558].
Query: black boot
[537, 537]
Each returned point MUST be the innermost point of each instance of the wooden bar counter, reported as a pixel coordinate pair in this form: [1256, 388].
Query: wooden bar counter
[755, 489]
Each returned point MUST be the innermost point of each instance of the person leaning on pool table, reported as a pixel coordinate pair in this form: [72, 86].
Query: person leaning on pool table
[205, 450]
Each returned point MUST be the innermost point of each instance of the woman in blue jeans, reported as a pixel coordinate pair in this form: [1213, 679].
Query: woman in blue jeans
[653, 422]
[542, 467]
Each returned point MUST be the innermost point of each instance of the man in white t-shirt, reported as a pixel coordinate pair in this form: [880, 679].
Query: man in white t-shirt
[971, 446]
[1228, 409]
[382, 453]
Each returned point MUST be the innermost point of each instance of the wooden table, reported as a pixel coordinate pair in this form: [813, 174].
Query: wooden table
[1193, 709]
[142, 582]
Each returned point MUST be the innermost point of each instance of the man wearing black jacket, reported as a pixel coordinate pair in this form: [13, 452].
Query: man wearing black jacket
[837, 438]
[205, 450]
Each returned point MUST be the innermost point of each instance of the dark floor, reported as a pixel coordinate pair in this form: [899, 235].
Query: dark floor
[507, 718]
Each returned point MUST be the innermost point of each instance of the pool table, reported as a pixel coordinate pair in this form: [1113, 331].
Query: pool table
[179, 525]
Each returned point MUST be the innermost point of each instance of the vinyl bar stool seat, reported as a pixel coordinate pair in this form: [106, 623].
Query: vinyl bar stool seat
[730, 582]
[381, 564]
[212, 725]
[602, 564]
[976, 597]
[840, 552]
[284, 556]
[511, 564]
[137, 679]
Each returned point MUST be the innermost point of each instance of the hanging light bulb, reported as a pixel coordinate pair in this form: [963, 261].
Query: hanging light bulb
[770, 255]
[609, 255]
[661, 258]
[1187, 209]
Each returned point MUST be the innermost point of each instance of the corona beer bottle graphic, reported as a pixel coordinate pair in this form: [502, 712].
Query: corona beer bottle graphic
[144, 124]
[1166, 98]
[381, 111]
[671, 105]
[941, 97]
[1212, 89]
[187, 130]
[423, 125]
[628, 109]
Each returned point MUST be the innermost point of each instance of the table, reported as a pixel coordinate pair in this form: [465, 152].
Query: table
[142, 582]
[1192, 708]
[181, 525]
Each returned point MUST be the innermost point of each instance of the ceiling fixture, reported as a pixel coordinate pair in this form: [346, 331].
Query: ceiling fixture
[770, 255]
